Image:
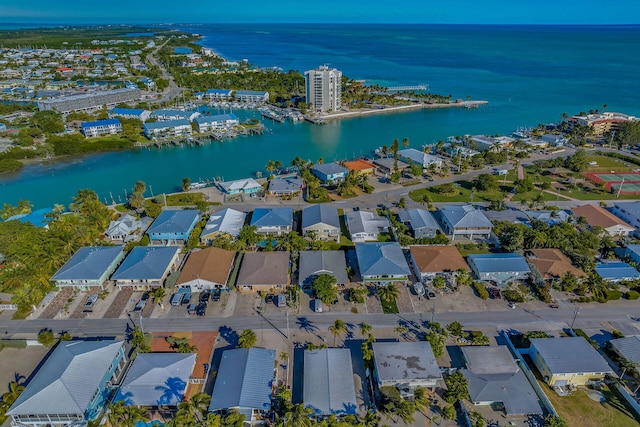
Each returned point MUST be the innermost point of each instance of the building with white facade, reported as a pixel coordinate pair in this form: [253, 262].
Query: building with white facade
[101, 127]
[324, 89]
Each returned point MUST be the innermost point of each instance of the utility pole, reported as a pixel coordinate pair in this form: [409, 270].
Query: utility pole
[620, 188]
[575, 314]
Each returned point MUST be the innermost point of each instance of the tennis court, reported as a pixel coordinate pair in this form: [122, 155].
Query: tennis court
[626, 188]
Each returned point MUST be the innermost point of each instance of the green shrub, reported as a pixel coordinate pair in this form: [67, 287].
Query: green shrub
[13, 344]
[481, 290]
[612, 294]
[632, 295]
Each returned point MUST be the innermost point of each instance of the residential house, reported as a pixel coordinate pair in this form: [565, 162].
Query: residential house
[217, 122]
[387, 165]
[600, 217]
[130, 113]
[240, 186]
[405, 365]
[464, 220]
[322, 221]
[413, 156]
[330, 173]
[431, 261]
[550, 217]
[264, 271]
[494, 378]
[172, 115]
[167, 129]
[627, 348]
[616, 271]
[272, 220]
[124, 227]
[569, 361]
[553, 264]
[101, 127]
[361, 166]
[366, 226]
[628, 211]
[146, 267]
[315, 263]
[206, 269]
[491, 143]
[71, 386]
[499, 268]
[244, 382]
[251, 96]
[513, 216]
[173, 226]
[420, 221]
[382, 262]
[89, 266]
[157, 380]
[38, 218]
[285, 186]
[227, 221]
[328, 386]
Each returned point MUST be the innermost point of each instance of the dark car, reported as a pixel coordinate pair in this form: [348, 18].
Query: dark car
[145, 296]
[215, 296]
[201, 309]
[204, 296]
[186, 299]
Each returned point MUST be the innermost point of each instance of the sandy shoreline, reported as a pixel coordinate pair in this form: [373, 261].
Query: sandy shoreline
[396, 109]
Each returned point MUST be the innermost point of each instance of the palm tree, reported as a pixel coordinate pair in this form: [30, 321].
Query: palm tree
[186, 182]
[627, 365]
[298, 416]
[10, 396]
[402, 203]
[405, 142]
[370, 419]
[388, 293]
[270, 167]
[365, 329]
[338, 327]
[158, 294]
[401, 330]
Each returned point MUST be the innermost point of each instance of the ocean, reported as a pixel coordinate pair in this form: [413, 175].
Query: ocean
[529, 75]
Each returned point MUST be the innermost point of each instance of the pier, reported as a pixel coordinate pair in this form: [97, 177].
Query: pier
[421, 87]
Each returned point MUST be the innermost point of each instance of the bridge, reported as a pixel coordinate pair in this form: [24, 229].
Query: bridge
[422, 86]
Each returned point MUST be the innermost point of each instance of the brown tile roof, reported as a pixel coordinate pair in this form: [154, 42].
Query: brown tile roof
[552, 263]
[264, 268]
[359, 165]
[597, 216]
[436, 259]
[211, 264]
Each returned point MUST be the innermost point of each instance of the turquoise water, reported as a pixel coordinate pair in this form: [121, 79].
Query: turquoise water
[529, 75]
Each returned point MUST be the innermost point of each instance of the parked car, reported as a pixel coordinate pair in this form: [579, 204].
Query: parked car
[281, 301]
[201, 309]
[140, 305]
[204, 296]
[316, 305]
[176, 299]
[186, 299]
[93, 298]
[429, 293]
[418, 288]
[215, 296]
[191, 308]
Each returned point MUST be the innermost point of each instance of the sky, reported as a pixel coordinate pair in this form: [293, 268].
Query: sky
[584, 12]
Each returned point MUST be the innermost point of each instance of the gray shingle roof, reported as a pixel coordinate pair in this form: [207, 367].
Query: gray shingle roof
[146, 262]
[320, 213]
[88, 263]
[570, 355]
[264, 268]
[156, 379]
[491, 263]
[465, 216]
[314, 263]
[381, 258]
[68, 379]
[405, 361]
[628, 347]
[328, 382]
[244, 379]
[418, 218]
[290, 185]
[174, 221]
[272, 217]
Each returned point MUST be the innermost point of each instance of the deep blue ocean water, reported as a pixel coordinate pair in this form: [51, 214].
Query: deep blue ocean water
[529, 74]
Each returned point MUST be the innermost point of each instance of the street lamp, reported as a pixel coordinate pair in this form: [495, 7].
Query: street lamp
[575, 314]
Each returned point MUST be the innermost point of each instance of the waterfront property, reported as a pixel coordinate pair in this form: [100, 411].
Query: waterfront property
[361, 166]
[146, 267]
[405, 366]
[499, 268]
[430, 261]
[601, 123]
[171, 115]
[272, 220]
[413, 156]
[420, 221]
[206, 269]
[39, 218]
[227, 221]
[285, 186]
[328, 386]
[240, 186]
[130, 113]
[568, 361]
[491, 143]
[321, 220]
[629, 212]
[168, 129]
[553, 264]
[495, 378]
[315, 263]
[323, 89]
[101, 127]
[71, 386]
[124, 228]
[251, 96]
[264, 271]
[218, 94]
[464, 220]
[89, 266]
[596, 216]
[157, 380]
[382, 262]
[173, 226]
[244, 382]
[217, 122]
[366, 226]
[616, 271]
[330, 173]
[386, 165]
[90, 101]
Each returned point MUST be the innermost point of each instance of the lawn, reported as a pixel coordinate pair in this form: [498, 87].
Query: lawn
[607, 164]
[389, 308]
[463, 193]
[579, 410]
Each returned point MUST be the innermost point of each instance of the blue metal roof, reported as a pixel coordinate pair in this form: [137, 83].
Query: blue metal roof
[146, 262]
[37, 218]
[465, 216]
[381, 258]
[126, 111]
[491, 263]
[250, 92]
[174, 222]
[221, 91]
[215, 118]
[320, 213]
[328, 382]
[88, 263]
[616, 270]
[107, 122]
[330, 168]
[272, 217]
